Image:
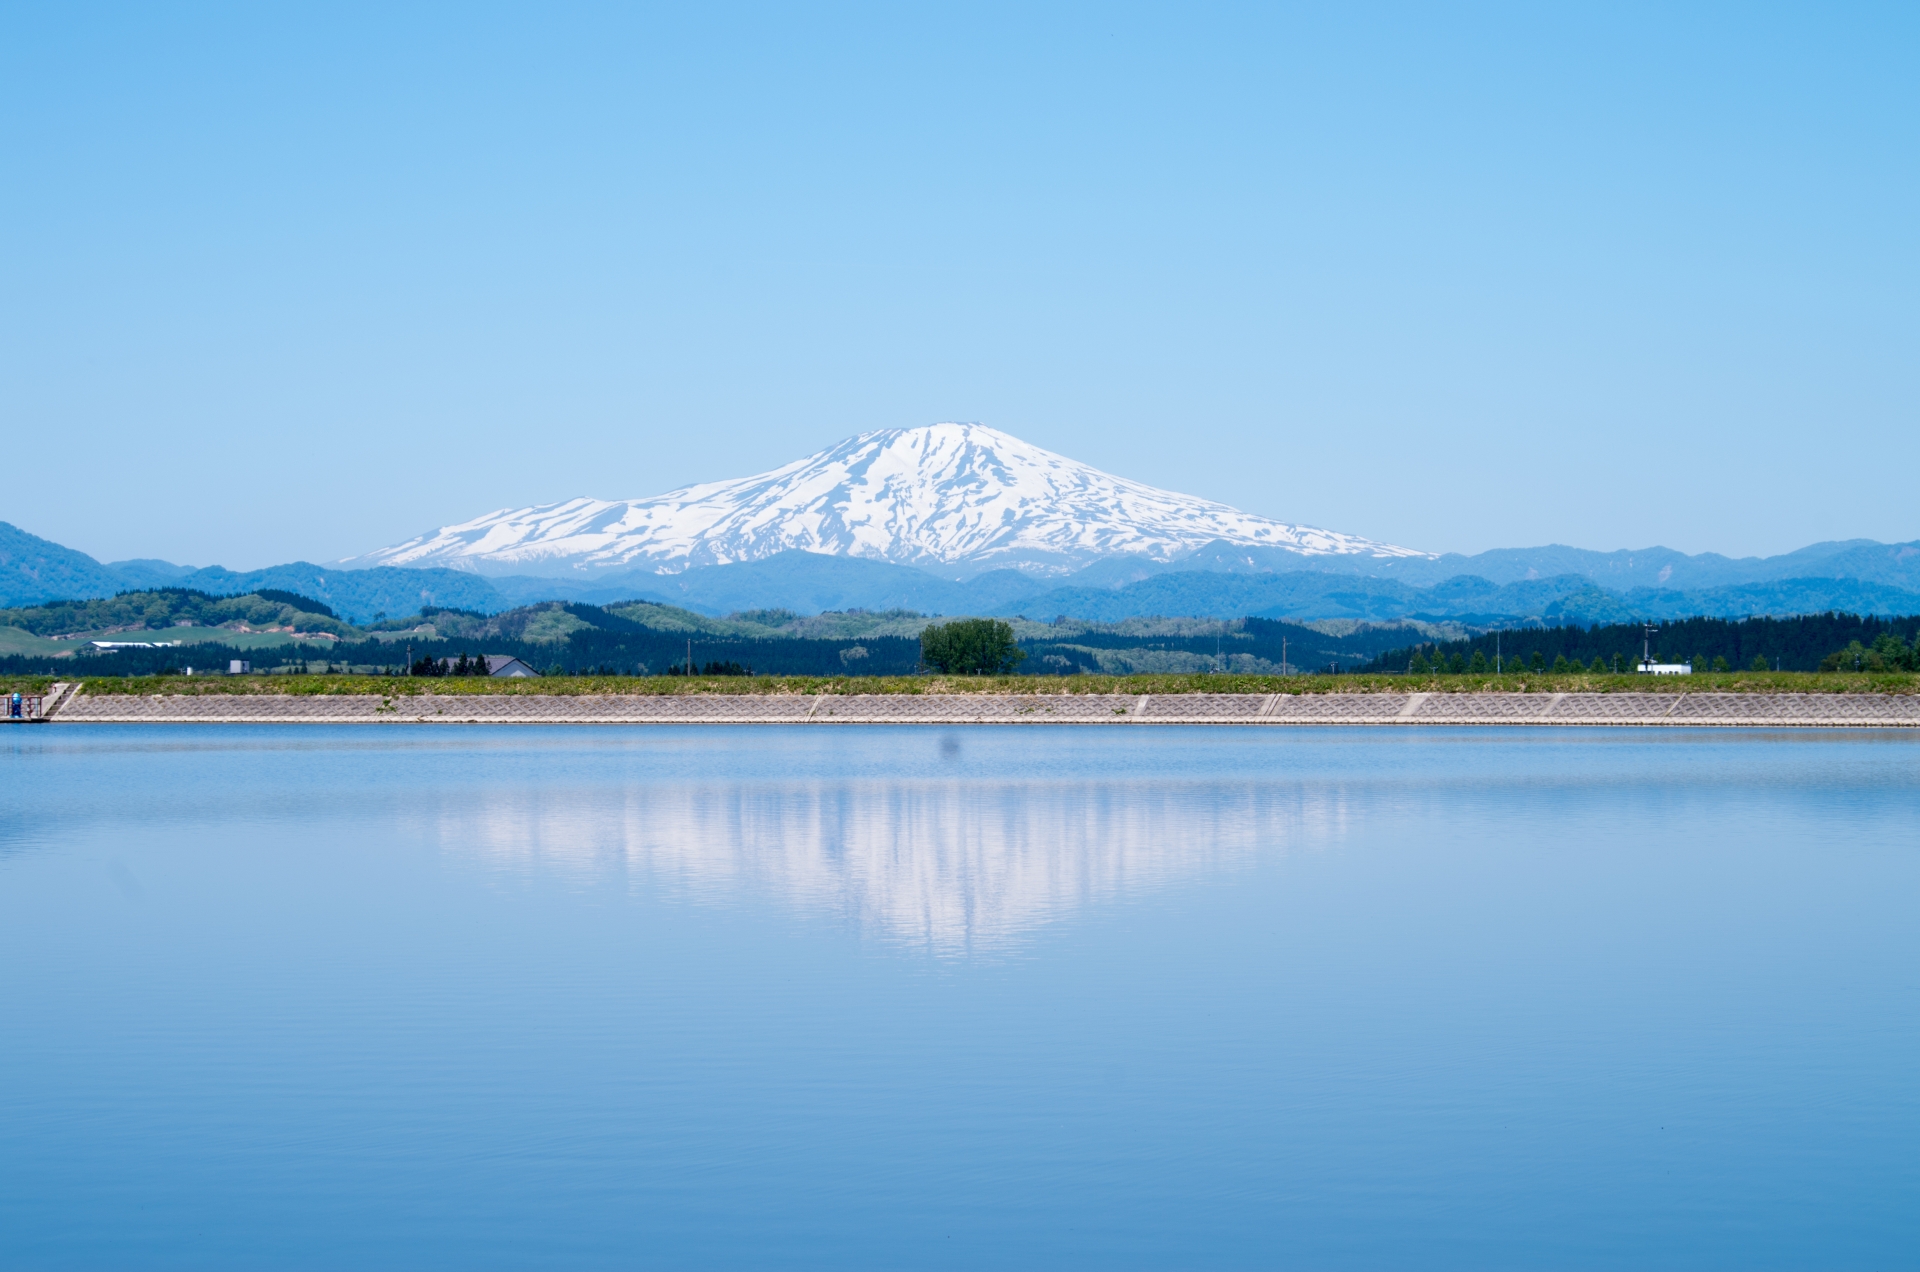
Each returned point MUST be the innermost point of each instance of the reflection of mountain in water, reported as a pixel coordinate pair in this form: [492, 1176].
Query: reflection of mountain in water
[948, 865]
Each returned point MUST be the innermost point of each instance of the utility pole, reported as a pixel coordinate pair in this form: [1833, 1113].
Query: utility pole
[689, 655]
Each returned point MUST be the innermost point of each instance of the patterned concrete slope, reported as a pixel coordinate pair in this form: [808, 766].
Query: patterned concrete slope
[1723, 709]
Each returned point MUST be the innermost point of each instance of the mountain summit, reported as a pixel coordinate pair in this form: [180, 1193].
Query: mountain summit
[957, 499]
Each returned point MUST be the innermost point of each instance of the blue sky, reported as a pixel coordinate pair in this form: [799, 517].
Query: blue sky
[294, 282]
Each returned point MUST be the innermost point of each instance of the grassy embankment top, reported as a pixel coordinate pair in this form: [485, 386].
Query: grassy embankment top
[1539, 682]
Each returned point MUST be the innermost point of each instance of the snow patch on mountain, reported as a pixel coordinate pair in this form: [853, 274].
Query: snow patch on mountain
[956, 499]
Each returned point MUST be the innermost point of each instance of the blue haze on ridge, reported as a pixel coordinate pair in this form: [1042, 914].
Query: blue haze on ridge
[1224, 581]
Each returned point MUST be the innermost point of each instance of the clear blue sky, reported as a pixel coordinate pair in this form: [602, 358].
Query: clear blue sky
[297, 281]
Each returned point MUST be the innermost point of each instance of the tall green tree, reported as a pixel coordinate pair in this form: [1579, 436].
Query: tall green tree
[971, 647]
[1894, 652]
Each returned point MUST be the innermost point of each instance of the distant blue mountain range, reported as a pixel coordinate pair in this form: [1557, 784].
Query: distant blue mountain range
[1552, 585]
[33, 570]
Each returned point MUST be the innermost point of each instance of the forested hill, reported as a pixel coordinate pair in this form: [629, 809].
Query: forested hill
[274, 629]
[1800, 643]
[184, 628]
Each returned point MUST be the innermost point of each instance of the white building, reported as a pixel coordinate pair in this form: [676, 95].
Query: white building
[503, 665]
[1666, 669]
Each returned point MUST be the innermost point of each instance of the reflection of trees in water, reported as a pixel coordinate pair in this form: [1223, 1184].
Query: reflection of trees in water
[946, 865]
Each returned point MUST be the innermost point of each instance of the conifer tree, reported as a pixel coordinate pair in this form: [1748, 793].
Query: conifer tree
[1538, 662]
[1598, 666]
[1560, 664]
[1479, 664]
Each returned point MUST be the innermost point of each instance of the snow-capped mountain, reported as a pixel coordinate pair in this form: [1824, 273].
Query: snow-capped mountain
[957, 499]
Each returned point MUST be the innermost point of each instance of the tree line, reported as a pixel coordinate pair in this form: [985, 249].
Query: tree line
[1887, 653]
[964, 646]
[427, 665]
[1275, 642]
[640, 652]
[1804, 642]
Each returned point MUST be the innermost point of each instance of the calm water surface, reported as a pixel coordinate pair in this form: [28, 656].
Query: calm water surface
[622, 997]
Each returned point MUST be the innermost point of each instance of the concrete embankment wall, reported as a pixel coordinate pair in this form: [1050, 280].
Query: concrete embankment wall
[1693, 709]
